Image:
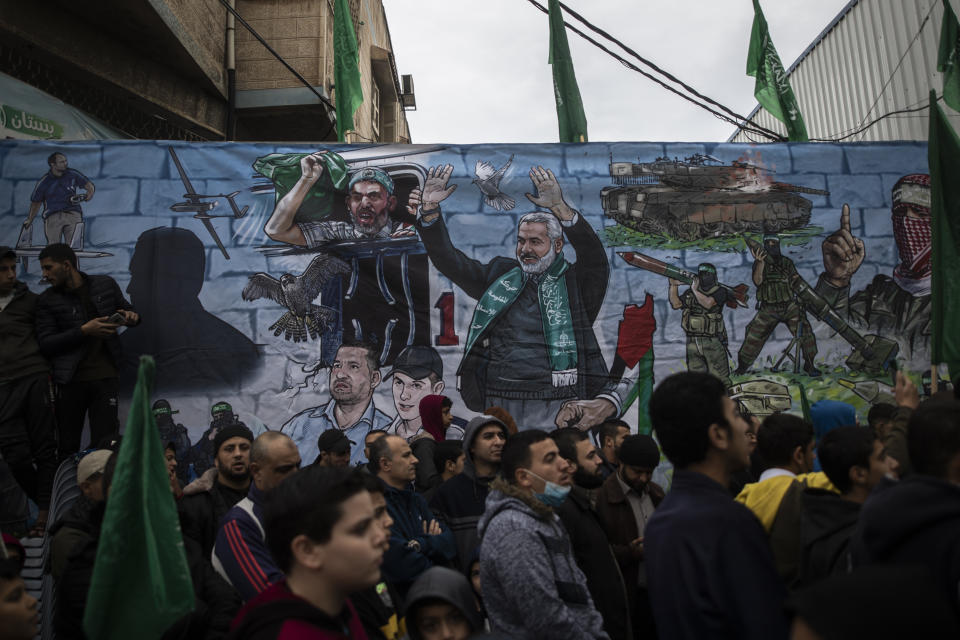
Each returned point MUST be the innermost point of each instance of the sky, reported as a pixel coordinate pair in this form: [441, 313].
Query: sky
[481, 75]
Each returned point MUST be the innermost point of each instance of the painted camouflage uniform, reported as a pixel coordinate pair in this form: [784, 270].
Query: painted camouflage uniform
[884, 308]
[706, 337]
[777, 303]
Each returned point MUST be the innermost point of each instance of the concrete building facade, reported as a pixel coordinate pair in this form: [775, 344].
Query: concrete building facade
[159, 68]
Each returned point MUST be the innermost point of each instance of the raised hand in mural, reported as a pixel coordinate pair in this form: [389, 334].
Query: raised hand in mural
[584, 414]
[435, 189]
[549, 194]
[311, 166]
[842, 253]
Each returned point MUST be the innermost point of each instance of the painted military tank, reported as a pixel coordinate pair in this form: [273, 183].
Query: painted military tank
[701, 197]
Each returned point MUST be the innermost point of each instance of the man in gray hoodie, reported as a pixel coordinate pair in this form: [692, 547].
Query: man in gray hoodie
[459, 502]
[532, 587]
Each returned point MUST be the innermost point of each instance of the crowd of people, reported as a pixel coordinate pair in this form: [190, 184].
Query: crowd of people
[771, 528]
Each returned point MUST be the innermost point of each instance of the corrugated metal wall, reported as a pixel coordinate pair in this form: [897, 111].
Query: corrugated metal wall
[880, 56]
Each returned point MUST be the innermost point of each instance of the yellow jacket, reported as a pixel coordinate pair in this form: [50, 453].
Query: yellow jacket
[764, 498]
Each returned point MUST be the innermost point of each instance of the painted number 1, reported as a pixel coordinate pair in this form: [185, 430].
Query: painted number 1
[446, 337]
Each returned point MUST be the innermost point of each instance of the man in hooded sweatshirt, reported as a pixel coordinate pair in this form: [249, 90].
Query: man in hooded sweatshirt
[532, 586]
[459, 502]
[440, 606]
[917, 520]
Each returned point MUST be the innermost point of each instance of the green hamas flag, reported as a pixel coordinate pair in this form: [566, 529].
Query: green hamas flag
[346, 70]
[944, 160]
[573, 122]
[141, 582]
[948, 58]
[772, 89]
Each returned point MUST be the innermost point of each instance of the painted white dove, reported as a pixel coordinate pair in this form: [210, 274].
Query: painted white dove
[488, 181]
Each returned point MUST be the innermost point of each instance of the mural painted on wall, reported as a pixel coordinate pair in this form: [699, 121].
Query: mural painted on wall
[302, 288]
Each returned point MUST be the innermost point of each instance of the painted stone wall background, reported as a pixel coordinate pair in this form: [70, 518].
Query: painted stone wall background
[137, 183]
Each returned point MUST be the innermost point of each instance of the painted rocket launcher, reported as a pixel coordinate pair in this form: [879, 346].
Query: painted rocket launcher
[872, 354]
[736, 296]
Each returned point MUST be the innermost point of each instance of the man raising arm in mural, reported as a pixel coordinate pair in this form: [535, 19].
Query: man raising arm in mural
[896, 307]
[370, 201]
[531, 347]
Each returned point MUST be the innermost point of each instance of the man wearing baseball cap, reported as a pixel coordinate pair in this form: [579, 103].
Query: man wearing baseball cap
[82, 520]
[27, 441]
[334, 449]
[370, 201]
[417, 372]
[208, 498]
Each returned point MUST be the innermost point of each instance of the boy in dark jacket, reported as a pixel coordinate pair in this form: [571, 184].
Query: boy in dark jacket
[856, 462]
[325, 537]
[77, 322]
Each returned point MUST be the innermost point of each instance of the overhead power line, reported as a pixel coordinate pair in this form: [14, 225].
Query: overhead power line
[665, 73]
[734, 118]
[748, 126]
[873, 122]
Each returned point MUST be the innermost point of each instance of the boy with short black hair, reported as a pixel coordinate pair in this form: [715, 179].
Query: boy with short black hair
[325, 537]
[855, 461]
[449, 458]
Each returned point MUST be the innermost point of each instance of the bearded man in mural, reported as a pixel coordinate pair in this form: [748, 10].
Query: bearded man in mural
[897, 307]
[530, 347]
[387, 302]
[370, 201]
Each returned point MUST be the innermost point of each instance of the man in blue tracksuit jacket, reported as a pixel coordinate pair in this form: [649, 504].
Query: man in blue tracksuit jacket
[417, 540]
[241, 554]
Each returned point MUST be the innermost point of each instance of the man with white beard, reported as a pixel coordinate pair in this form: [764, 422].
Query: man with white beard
[530, 347]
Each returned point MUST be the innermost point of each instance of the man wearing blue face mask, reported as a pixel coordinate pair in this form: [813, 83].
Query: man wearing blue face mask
[526, 550]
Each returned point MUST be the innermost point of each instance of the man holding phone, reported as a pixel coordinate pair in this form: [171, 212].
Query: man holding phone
[77, 322]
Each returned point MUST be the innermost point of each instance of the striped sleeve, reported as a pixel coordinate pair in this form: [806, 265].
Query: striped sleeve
[241, 555]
